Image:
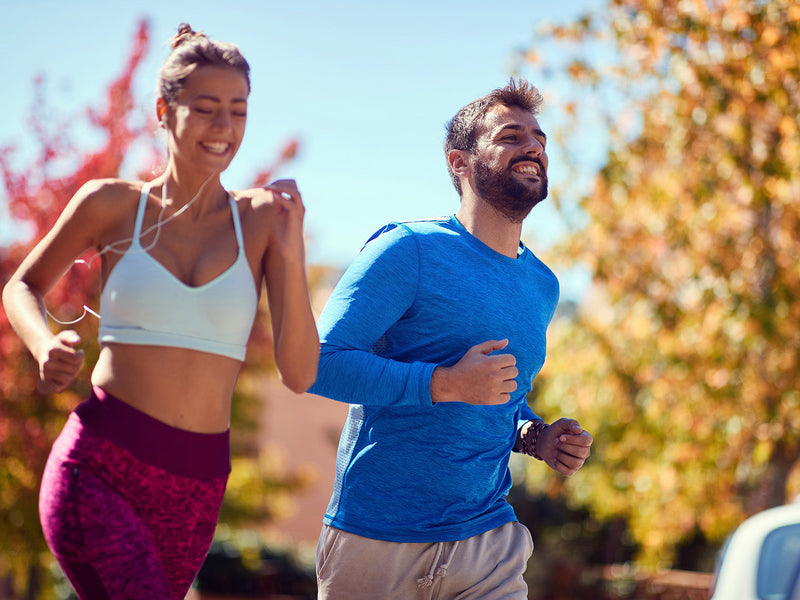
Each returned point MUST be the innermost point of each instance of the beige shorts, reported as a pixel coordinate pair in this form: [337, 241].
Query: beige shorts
[489, 566]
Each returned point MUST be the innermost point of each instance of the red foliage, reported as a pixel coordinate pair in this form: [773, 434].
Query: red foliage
[287, 153]
[28, 420]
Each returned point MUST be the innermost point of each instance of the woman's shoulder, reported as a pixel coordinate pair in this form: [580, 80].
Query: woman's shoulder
[108, 194]
[255, 204]
[256, 209]
[255, 198]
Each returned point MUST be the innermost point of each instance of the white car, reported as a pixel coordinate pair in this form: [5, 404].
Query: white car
[761, 558]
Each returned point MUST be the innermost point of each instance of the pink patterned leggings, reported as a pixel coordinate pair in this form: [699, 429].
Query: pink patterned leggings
[128, 504]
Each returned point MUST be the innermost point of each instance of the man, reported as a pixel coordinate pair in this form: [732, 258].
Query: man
[433, 336]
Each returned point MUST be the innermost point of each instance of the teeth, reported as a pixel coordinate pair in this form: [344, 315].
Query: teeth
[528, 169]
[217, 147]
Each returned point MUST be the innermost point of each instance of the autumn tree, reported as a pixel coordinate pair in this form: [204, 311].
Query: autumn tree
[29, 421]
[683, 359]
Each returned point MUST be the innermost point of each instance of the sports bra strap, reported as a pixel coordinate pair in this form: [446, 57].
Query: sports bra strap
[237, 226]
[137, 229]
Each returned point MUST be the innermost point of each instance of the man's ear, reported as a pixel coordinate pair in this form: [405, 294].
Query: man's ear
[460, 162]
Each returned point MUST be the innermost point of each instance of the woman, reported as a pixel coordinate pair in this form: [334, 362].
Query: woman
[133, 485]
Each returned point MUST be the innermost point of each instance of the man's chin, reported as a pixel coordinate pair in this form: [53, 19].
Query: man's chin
[512, 197]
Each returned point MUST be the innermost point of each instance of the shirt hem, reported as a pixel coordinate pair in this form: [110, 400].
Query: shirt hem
[444, 534]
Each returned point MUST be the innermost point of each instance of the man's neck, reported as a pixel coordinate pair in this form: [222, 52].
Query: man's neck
[490, 226]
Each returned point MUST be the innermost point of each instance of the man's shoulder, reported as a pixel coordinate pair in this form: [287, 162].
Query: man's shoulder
[421, 225]
[442, 221]
[401, 229]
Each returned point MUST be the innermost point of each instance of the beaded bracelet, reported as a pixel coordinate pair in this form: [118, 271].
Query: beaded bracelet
[530, 436]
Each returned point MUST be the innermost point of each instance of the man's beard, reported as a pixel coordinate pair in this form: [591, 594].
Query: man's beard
[513, 198]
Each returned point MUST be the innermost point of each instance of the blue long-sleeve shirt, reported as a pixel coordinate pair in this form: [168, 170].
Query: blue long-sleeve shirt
[419, 295]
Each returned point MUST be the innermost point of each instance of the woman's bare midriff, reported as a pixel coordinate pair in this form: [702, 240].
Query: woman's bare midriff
[183, 388]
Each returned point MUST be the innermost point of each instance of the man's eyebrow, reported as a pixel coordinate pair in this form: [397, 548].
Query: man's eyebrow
[516, 127]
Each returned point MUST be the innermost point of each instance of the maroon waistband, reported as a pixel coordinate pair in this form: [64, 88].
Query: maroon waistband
[178, 451]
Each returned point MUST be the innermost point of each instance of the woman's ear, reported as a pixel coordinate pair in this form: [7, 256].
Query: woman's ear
[161, 112]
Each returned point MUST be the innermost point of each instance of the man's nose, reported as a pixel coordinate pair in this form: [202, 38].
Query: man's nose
[533, 146]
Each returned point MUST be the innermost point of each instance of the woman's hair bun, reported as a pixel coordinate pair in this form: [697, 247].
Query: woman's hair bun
[185, 33]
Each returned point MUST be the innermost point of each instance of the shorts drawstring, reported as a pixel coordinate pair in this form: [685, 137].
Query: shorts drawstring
[427, 581]
[442, 572]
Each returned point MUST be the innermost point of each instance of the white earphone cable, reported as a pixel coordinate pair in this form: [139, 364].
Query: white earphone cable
[112, 247]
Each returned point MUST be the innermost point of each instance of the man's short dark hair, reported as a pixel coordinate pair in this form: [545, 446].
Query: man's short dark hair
[464, 128]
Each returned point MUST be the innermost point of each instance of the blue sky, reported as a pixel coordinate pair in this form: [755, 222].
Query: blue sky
[365, 85]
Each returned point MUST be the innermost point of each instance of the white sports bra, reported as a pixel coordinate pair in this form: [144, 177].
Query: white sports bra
[143, 303]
